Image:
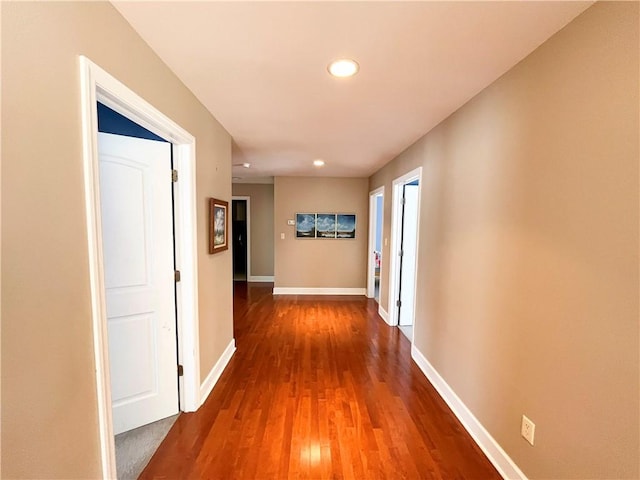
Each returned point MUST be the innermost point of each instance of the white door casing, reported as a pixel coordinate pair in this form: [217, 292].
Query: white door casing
[99, 85]
[396, 235]
[373, 195]
[137, 239]
[408, 259]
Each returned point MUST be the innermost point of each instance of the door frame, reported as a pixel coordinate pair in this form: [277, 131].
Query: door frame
[373, 216]
[99, 86]
[248, 199]
[396, 235]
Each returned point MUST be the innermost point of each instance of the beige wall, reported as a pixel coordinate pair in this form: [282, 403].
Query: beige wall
[528, 260]
[261, 226]
[311, 263]
[49, 410]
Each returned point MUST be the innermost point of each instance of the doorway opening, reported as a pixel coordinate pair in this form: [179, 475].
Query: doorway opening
[374, 264]
[98, 86]
[404, 251]
[137, 207]
[240, 230]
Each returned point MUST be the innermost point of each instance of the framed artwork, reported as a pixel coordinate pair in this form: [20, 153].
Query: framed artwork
[326, 225]
[345, 226]
[305, 225]
[218, 225]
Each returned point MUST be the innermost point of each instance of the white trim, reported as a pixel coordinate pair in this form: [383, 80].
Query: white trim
[187, 262]
[96, 276]
[260, 278]
[492, 449]
[383, 313]
[396, 226]
[248, 214]
[373, 196]
[98, 85]
[319, 291]
[216, 371]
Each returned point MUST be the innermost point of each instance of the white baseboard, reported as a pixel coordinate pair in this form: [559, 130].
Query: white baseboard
[319, 291]
[216, 371]
[494, 452]
[383, 313]
[260, 278]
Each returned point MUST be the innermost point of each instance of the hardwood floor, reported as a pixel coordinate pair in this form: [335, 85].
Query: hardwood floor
[322, 388]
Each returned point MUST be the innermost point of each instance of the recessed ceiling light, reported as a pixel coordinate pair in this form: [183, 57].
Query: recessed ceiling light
[246, 165]
[344, 67]
[318, 162]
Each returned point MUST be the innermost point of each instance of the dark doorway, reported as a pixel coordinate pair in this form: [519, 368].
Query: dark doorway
[239, 230]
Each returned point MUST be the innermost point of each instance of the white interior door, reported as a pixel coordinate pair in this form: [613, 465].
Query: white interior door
[408, 259]
[137, 240]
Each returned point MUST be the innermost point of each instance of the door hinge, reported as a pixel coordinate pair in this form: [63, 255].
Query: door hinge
[174, 175]
[398, 303]
[401, 253]
[176, 275]
[180, 371]
[403, 201]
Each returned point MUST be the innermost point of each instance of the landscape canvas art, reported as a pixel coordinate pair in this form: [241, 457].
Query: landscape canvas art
[305, 225]
[346, 226]
[326, 225]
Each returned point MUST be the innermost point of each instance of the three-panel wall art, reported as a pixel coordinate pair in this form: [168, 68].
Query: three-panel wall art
[325, 225]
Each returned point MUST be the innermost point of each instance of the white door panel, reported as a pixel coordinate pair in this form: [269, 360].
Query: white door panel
[123, 180]
[136, 348]
[409, 246]
[137, 231]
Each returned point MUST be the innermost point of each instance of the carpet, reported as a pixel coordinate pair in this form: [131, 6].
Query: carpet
[135, 448]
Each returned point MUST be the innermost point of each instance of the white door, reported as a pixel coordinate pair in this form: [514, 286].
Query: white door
[408, 258]
[137, 240]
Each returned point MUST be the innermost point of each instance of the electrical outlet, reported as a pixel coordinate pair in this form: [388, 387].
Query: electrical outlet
[528, 429]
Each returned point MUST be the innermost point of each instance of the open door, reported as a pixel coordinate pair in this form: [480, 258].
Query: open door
[403, 261]
[138, 250]
[408, 247]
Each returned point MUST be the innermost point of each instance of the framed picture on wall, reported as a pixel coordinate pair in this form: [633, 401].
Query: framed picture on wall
[345, 226]
[218, 225]
[326, 225]
[305, 225]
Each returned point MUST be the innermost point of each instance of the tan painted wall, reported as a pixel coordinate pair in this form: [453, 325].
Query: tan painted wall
[261, 225]
[311, 263]
[528, 260]
[49, 411]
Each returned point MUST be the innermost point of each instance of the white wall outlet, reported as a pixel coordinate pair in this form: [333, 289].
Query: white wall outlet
[528, 429]
[291, 223]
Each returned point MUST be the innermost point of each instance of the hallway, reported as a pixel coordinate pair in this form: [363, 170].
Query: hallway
[319, 387]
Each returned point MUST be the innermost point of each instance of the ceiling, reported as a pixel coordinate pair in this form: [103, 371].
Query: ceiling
[261, 69]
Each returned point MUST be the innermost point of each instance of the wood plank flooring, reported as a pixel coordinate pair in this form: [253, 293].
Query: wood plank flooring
[321, 388]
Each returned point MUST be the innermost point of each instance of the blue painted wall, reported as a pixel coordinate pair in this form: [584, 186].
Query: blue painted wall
[110, 121]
